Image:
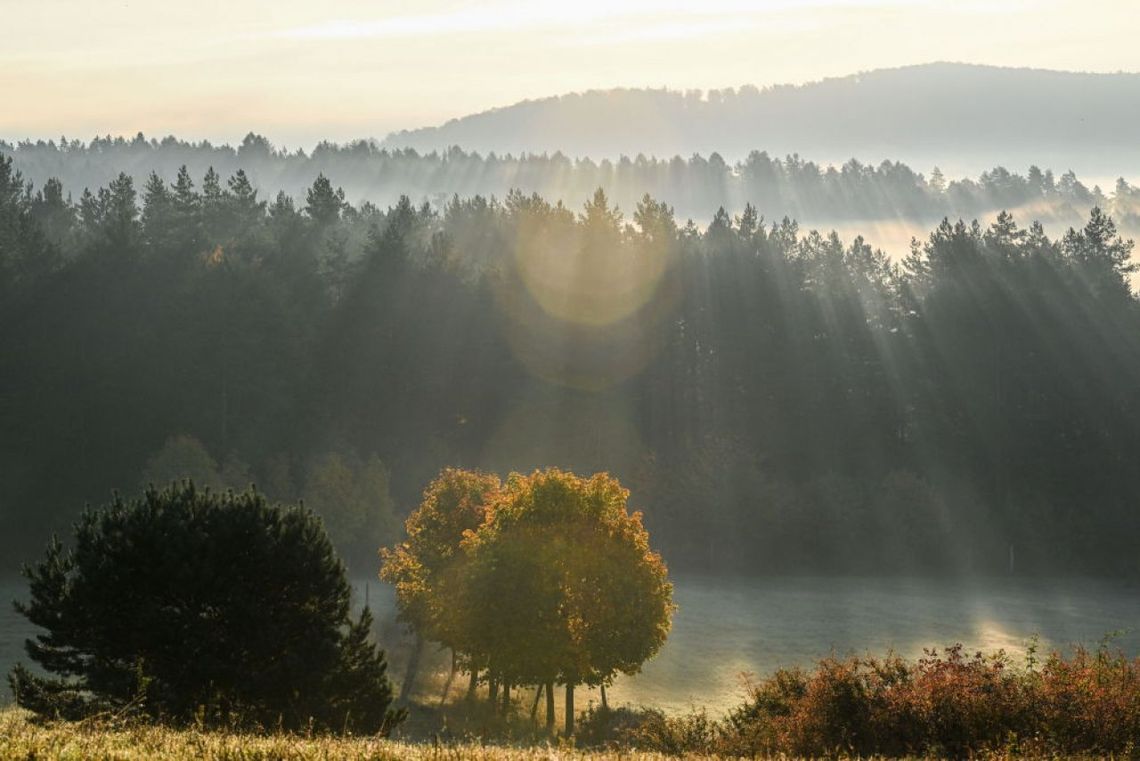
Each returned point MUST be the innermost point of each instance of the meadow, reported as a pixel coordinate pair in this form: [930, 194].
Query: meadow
[22, 739]
[1021, 705]
[95, 741]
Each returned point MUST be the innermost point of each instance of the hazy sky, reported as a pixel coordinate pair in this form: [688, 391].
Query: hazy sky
[302, 71]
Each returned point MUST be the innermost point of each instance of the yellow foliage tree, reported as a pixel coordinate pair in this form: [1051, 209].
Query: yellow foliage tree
[545, 579]
[562, 585]
[427, 567]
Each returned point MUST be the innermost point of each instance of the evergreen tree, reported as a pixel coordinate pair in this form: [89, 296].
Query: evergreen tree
[186, 606]
[323, 204]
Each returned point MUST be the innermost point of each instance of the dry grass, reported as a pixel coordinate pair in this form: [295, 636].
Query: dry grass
[23, 739]
[99, 741]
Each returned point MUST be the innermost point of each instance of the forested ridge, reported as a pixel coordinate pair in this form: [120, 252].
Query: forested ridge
[810, 191]
[777, 400]
[970, 114]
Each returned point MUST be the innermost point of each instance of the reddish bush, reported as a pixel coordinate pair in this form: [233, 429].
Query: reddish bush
[1089, 702]
[948, 704]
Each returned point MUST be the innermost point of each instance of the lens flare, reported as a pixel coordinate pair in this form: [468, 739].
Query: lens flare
[586, 305]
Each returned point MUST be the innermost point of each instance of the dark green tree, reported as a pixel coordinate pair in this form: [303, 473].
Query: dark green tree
[184, 604]
[322, 203]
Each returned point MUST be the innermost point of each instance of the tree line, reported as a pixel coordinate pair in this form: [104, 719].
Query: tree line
[776, 400]
[696, 186]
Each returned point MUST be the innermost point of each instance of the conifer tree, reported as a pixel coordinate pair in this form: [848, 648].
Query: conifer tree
[186, 605]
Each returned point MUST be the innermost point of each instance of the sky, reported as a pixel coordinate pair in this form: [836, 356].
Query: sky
[301, 72]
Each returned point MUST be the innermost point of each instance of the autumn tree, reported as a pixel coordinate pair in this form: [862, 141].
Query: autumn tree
[564, 586]
[426, 567]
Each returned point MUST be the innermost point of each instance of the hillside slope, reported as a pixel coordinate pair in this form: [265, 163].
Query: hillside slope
[961, 116]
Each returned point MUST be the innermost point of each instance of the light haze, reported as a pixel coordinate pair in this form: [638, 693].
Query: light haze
[303, 72]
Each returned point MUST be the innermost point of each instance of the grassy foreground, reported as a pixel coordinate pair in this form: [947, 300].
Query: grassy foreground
[23, 739]
[947, 704]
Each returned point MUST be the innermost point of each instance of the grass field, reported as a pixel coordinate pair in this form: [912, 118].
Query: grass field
[25, 740]
[92, 741]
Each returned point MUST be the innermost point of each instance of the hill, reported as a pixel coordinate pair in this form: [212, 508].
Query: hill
[964, 117]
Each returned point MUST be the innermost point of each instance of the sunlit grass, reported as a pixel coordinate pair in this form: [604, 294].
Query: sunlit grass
[23, 739]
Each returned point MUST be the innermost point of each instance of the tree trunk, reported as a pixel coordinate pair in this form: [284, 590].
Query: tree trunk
[605, 705]
[450, 679]
[534, 705]
[506, 698]
[413, 670]
[550, 707]
[569, 710]
[473, 684]
[493, 689]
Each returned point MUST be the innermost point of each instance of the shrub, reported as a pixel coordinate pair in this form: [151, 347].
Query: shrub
[1089, 702]
[945, 704]
[187, 605]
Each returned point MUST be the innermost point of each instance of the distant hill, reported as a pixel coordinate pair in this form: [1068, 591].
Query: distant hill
[963, 117]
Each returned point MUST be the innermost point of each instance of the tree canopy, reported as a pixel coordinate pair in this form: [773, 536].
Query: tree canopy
[780, 399]
[551, 579]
